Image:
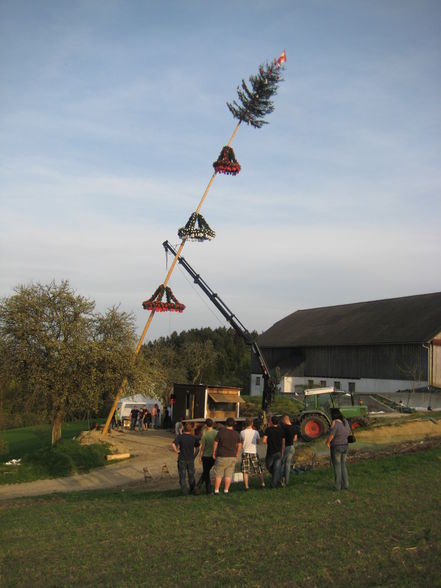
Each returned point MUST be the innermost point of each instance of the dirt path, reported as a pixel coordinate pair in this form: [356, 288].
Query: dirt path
[152, 450]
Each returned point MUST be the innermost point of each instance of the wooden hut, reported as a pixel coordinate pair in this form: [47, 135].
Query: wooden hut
[200, 401]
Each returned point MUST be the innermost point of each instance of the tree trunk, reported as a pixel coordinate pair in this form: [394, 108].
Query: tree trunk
[56, 428]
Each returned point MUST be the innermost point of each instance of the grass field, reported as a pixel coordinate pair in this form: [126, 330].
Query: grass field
[384, 531]
[33, 445]
[29, 439]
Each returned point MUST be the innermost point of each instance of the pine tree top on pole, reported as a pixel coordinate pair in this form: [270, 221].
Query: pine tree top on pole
[255, 102]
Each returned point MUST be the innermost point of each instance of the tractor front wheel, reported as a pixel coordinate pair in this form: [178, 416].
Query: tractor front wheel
[313, 427]
[357, 422]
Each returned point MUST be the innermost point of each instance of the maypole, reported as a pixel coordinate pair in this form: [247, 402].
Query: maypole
[255, 103]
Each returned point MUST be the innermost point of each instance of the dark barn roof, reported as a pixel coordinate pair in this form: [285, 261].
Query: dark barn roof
[411, 319]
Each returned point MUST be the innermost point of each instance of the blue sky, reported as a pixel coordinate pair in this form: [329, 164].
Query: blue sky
[112, 112]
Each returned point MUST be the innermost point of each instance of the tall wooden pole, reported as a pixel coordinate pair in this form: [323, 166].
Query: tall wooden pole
[152, 313]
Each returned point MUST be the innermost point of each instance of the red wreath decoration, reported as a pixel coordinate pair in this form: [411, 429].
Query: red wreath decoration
[226, 162]
[155, 303]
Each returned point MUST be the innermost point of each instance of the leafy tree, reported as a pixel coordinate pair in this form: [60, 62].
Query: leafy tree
[62, 357]
[198, 357]
[163, 366]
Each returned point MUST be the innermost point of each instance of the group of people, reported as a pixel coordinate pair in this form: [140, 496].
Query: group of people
[221, 449]
[142, 418]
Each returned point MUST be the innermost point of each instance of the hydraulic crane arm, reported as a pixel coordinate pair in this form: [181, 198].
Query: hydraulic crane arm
[231, 318]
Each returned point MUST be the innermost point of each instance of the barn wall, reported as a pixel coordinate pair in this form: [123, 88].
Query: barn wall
[395, 362]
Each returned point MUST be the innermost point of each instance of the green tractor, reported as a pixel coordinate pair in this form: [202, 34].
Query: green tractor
[315, 417]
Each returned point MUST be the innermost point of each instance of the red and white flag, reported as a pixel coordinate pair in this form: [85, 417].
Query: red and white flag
[282, 58]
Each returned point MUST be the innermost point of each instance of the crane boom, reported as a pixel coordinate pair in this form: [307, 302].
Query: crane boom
[231, 318]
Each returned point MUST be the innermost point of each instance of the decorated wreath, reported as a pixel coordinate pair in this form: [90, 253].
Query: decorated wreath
[226, 162]
[196, 229]
[155, 303]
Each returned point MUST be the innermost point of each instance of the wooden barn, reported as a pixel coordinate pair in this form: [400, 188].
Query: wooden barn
[381, 346]
[198, 402]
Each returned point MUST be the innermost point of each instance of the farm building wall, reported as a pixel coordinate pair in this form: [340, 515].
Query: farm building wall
[291, 384]
[393, 362]
[364, 368]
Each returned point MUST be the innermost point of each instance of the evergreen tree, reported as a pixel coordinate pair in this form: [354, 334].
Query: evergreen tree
[255, 102]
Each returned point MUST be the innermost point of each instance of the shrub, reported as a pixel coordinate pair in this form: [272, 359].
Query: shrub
[52, 461]
[84, 457]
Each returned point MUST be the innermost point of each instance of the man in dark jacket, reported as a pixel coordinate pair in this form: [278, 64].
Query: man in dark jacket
[274, 438]
[186, 446]
[133, 418]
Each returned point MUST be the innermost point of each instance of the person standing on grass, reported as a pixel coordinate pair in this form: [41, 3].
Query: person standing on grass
[274, 438]
[250, 438]
[290, 431]
[337, 442]
[206, 454]
[186, 446]
[226, 449]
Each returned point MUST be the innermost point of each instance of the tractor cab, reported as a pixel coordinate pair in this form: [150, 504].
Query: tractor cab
[315, 417]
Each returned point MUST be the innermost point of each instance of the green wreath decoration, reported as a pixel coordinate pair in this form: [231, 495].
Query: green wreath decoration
[196, 229]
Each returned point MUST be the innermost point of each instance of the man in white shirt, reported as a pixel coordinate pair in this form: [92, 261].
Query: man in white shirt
[250, 460]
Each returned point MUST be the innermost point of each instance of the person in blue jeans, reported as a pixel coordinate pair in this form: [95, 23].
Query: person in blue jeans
[337, 442]
[274, 438]
[186, 446]
[290, 431]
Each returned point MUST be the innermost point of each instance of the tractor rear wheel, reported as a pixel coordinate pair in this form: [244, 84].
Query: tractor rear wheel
[313, 426]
